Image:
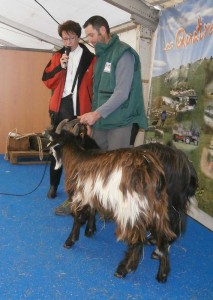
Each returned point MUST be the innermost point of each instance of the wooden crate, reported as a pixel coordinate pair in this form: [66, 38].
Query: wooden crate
[28, 157]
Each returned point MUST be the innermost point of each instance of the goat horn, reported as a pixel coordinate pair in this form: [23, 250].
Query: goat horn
[61, 125]
[75, 130]
[73, 122]
[69, 125]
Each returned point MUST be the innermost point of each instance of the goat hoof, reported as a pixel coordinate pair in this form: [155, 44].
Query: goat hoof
[120, 273]
[155, 255]
[68, 245]
[151, 241]
[89, 232]
[161, 278]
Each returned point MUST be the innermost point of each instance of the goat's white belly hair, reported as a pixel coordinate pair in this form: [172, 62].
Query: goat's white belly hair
[126, 208]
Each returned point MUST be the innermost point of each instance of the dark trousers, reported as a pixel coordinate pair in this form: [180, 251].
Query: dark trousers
[65, 112]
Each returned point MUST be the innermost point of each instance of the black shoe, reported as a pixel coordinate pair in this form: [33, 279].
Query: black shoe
[52, 192]
[64, 209]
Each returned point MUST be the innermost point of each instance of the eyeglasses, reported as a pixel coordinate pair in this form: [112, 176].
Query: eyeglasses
[69, 39]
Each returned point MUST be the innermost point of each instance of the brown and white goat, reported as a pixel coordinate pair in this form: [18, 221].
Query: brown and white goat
[130, 183]
[181, 179]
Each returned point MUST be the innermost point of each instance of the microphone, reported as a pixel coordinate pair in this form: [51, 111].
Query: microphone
[67, 52]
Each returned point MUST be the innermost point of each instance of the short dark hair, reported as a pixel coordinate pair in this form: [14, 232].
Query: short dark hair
[97, 22]
[69, 26]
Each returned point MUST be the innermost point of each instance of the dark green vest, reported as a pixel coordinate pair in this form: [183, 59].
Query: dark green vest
[132, 110]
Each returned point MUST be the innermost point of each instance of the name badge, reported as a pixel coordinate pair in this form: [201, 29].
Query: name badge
[107, 67]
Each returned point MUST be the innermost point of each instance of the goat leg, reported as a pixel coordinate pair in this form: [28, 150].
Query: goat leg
[91, 223]
[75, 232]
[130, 261]
[151, 238]
[162, 253]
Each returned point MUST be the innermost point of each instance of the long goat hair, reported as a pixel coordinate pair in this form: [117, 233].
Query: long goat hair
[181, 179]
[130, 183]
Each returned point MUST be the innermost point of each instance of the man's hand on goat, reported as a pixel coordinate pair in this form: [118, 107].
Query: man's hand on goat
[90, 118]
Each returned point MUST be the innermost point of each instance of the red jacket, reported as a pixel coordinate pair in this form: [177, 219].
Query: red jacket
[54, 78]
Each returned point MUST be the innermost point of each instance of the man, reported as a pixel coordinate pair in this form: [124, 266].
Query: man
[69, 74]
[117, 106]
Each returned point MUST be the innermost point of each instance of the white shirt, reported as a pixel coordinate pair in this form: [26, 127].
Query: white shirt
[73, 62]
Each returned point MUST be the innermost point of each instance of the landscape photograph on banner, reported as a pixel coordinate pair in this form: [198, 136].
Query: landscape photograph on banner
[181, 100]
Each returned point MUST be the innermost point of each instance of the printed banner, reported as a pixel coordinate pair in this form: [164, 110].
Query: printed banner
[181, 98]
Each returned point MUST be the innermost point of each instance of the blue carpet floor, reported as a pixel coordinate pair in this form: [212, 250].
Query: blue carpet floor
[34, 264]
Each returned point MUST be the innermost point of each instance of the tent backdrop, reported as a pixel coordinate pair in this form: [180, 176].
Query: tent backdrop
[33, 24]
[44, 19]
[181, 102]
